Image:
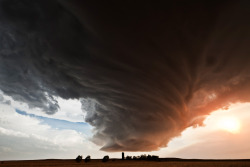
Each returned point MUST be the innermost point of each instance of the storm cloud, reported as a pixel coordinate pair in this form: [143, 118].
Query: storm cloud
[143, 70]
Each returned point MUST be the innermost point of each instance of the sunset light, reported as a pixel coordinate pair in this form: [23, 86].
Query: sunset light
[230, 124]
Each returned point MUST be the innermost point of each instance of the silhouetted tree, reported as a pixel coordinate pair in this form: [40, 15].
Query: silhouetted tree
[78, 158]
[87, 159]
[105, 158]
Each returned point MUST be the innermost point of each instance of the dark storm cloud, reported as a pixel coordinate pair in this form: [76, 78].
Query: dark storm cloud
[144, 70]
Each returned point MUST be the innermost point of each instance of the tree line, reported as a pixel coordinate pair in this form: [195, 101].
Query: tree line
[106, 158]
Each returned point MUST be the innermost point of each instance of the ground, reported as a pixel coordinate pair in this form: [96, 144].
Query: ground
[126, 163]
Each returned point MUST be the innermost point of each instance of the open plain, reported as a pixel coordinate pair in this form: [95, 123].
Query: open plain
[127, 163]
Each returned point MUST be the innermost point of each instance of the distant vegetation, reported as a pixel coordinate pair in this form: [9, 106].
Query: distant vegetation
[105, 158]
[144, 157]
[78, 158]
[87, 159]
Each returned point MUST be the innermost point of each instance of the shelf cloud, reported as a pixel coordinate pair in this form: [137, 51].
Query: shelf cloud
[143, 70]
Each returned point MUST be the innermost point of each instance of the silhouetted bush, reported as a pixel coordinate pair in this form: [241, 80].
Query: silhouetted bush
[78, 158]
[136, 157]
[87, 159]
[143, 157]
[152, 157]
[128, 157]
[155, 157]
[149, 157]
[105, 158]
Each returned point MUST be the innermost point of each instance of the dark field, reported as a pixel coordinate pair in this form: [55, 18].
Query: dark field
[128, 163]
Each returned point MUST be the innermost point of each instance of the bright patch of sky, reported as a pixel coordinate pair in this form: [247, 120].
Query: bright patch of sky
[212, 142]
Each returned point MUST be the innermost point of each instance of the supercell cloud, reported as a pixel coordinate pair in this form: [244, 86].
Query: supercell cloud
[143, 70]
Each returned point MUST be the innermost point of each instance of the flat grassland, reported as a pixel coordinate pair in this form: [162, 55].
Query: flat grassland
[126, 163]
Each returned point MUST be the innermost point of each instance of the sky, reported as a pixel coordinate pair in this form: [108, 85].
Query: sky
[95, 78]
[25, 135]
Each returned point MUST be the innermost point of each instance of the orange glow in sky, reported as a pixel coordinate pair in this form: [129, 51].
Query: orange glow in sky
[230, 124]
[225, 134]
